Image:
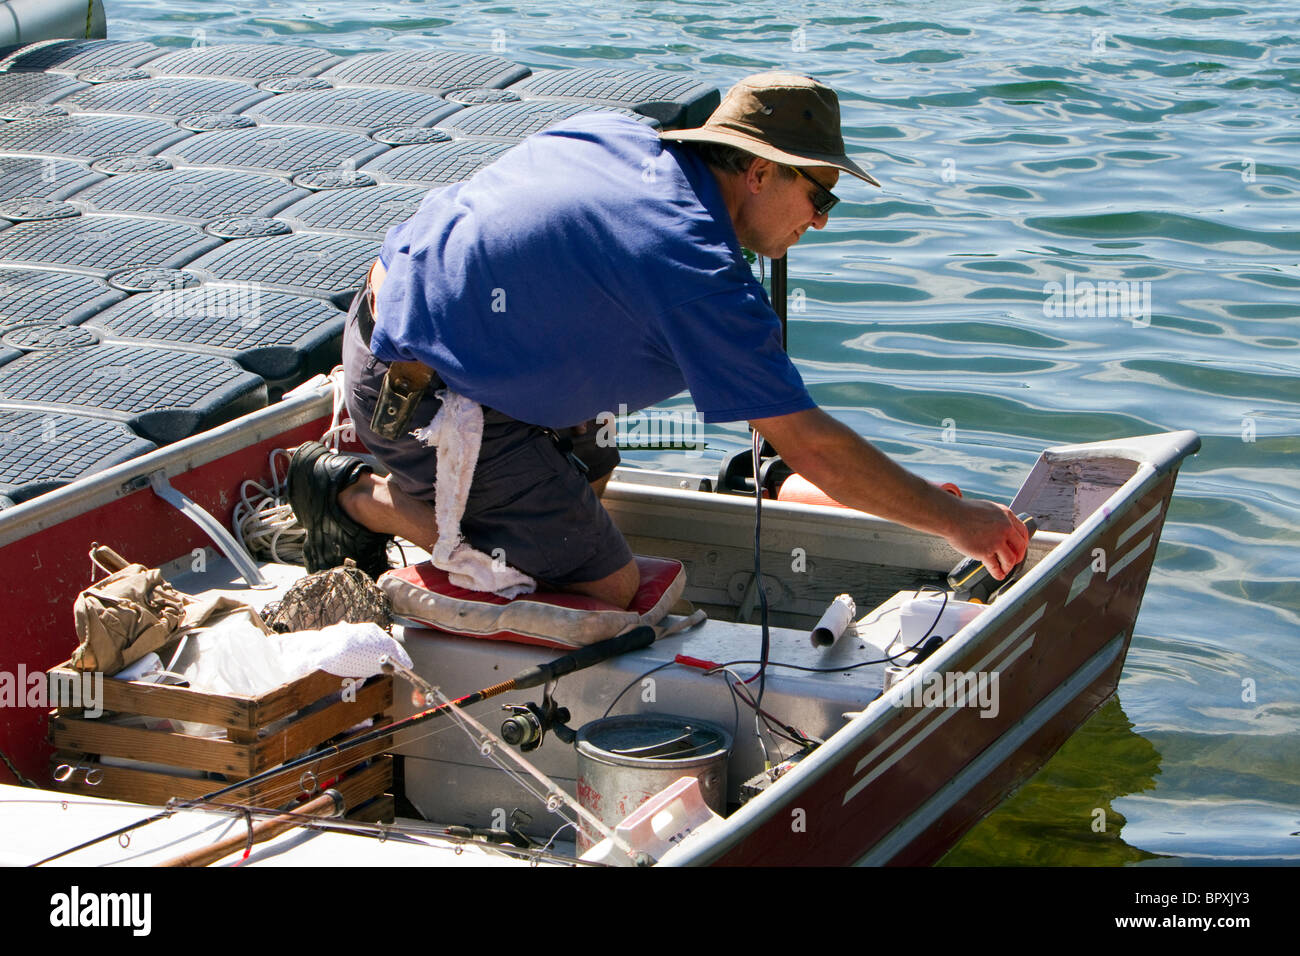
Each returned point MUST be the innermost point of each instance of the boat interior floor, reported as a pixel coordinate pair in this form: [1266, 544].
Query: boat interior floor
[449, 780]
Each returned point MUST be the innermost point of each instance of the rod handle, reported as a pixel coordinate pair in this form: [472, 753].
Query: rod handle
[632, 640]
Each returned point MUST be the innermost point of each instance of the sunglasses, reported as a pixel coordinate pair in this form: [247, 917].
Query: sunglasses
[823, 199]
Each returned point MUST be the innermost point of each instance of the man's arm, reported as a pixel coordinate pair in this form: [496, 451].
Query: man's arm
[855, 473]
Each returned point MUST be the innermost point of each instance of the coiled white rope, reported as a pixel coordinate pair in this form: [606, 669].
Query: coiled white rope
[263, 519]
[337, 429]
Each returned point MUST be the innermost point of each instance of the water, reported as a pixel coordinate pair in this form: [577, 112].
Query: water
[1020, 145]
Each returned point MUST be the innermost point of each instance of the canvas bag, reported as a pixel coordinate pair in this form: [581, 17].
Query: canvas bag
[134, 611]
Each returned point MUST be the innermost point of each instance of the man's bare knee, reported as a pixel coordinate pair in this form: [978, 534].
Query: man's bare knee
[376, 503]
[618, 588]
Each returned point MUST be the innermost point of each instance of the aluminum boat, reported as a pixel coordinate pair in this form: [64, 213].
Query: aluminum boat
[902, 773]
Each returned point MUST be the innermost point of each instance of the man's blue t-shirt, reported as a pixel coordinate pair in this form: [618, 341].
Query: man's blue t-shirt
[591, 266]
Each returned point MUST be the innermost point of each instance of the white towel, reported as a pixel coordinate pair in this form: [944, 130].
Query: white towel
[234, 657]
[344, 649]
[457, 432]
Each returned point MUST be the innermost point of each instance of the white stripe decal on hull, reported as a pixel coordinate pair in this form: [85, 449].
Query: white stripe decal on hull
[998, 752]
[1125, 561]
[1080, 583]
[982, 665]
[1084, 577]
[907, 748]
[1138, 525]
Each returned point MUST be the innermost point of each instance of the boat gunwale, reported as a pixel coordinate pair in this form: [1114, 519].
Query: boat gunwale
[91, 491]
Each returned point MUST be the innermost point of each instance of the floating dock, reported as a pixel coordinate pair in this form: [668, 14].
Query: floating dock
[181, 229]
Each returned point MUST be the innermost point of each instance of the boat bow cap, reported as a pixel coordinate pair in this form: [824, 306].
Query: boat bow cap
[784, 117]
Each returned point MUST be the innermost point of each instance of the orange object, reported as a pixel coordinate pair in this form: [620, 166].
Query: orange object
[800, 489]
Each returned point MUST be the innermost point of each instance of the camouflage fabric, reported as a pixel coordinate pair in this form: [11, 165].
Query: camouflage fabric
[329, 597]
[134, 611]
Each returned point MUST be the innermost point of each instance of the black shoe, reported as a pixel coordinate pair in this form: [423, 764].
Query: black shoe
[316, 476]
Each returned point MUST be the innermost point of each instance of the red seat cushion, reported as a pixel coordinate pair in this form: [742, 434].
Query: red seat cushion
[423, 593]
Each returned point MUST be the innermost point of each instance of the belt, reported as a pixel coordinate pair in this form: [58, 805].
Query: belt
[366, 312]
[404, 383]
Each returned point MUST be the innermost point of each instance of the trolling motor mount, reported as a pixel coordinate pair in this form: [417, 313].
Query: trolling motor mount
[736, 476]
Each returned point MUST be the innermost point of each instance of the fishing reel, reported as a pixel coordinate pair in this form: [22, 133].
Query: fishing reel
[527, 728]
[512, 834]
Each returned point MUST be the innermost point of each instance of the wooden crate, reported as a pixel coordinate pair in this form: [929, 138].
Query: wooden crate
[249, 745]
[361, 786]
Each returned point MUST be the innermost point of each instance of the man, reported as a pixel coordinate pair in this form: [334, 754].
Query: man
[594, 265]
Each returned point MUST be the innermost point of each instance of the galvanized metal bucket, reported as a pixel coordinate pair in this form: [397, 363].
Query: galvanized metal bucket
[624, 761]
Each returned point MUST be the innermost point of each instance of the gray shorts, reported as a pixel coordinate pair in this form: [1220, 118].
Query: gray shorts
[527, 498]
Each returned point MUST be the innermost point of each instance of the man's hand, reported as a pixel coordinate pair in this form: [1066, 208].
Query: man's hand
[855, 473]
[992, 533]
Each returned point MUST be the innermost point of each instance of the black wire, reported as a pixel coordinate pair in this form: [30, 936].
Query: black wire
[735, 726]
[738, 693]
[861, 663]
[937, 618]
[735, 707]
[852, 667]
[793, 734]
[634, 680]
[739, 689]
[758, 573]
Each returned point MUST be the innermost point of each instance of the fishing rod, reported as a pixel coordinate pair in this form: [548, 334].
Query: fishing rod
[403, 833]
[328, 804]
[633, 640]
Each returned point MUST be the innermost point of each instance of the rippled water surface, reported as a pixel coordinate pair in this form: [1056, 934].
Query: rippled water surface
[1020, 145]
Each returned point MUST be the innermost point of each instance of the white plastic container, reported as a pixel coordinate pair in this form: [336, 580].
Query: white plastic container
[929, 615]
[660, 825]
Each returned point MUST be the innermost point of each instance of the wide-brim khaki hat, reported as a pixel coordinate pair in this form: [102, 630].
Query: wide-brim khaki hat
[784, 117]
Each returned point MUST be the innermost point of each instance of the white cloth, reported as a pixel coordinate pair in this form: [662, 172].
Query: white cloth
[457, 432]
[234, 657]
[344, 649]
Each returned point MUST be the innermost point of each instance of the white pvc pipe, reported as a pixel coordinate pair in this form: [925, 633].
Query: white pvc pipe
[27, 21]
